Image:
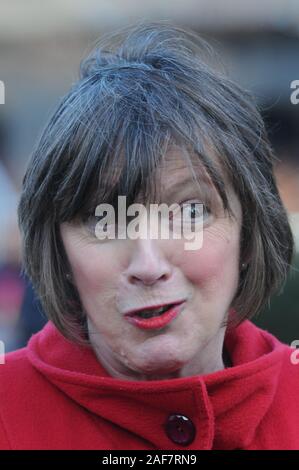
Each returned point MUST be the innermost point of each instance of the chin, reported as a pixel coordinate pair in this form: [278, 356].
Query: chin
[161, 371]
[161, 364]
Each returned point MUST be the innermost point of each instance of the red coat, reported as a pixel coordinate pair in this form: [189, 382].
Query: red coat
[56, 395]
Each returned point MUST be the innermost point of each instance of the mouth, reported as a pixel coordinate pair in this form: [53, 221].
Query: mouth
[154, 316]
[152, 310]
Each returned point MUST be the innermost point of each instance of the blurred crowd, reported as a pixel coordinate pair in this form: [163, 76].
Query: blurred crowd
[20, 314]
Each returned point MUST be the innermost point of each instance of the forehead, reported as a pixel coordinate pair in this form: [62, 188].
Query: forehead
[178, 165]
[181, 169]
[178, 172]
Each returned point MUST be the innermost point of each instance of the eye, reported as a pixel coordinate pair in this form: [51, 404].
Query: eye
[90, 220]
[106, 223]
[190, 214]
[99, 224]
[193, 210]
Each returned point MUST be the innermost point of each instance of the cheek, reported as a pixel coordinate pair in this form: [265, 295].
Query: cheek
[92, 266]
[95, 275]
[215, 264]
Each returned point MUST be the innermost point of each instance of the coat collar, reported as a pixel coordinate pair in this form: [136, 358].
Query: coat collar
[226, 407]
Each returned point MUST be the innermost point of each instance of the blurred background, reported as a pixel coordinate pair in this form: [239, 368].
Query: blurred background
[41, 45]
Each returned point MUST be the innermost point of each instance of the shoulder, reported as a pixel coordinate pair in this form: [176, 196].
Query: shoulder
[289, 375]
[282, 418]
[19, 382]
[284, 412]
[274, 368]
[288, 359]
[11, 373]
[15, 367]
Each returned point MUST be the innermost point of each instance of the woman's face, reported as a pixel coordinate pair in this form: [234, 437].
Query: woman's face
[116, 276]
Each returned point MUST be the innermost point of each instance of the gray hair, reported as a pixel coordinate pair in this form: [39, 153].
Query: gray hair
[142, 89]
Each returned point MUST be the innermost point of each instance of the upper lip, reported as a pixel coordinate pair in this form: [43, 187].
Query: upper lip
[152, 307]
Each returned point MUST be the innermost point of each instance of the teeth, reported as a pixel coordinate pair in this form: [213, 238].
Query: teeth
[153, 313]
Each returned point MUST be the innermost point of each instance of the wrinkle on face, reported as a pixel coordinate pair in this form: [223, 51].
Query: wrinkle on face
[208, 278]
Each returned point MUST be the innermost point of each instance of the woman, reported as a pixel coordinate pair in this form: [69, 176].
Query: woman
[149, 344]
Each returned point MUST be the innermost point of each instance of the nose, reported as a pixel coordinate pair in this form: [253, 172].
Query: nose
[147, 264]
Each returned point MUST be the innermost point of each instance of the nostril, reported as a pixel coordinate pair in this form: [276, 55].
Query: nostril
[147, 279]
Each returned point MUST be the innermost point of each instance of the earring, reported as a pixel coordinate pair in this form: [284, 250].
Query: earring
[243, 266]
[68, 276]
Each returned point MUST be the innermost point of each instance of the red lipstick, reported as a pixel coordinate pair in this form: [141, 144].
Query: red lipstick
[158, 320]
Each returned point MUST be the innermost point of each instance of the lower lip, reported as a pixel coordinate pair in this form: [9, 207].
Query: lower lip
[155, 323]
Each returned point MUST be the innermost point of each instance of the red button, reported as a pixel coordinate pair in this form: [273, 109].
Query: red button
[180, 429]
